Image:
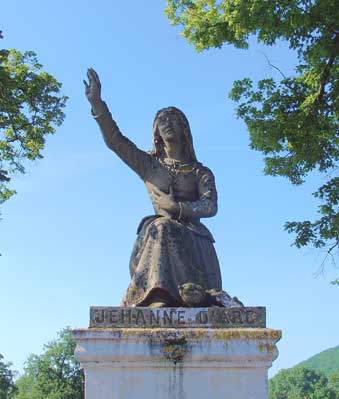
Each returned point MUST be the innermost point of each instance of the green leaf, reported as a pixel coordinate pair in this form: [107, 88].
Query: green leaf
[30, 108]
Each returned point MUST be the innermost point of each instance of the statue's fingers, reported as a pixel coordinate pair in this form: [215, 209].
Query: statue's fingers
[156, 195]
[155, 201]
[93, 71]
[86, 84]
[160, 191]
[89, 76]
[157, 192]
[95, 76]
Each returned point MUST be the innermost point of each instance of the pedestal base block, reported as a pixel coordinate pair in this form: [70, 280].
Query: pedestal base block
[176, 363]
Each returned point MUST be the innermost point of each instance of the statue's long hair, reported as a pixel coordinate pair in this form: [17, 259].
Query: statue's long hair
[187, 141]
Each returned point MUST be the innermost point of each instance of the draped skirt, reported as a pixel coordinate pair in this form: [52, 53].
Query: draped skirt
[167, 254]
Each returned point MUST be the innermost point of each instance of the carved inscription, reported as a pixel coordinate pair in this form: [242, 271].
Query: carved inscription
[177, 317]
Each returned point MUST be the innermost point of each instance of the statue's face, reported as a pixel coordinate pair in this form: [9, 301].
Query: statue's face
[169, 127]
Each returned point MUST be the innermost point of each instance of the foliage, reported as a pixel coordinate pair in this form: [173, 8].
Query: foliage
[7, 386]
[30, 107]
[53, 375]
[301, 383]
[293, 121]
[333, 381]
[326, 361]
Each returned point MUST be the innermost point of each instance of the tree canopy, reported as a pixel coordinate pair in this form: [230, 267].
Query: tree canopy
[301, 383]
[55, 374]
[293, 120]
[333, 382]
[30, 108]
[7, 386]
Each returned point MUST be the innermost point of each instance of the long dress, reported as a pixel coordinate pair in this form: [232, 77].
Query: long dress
[169, 251]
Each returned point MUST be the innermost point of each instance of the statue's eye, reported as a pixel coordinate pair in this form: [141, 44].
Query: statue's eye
[164, 118]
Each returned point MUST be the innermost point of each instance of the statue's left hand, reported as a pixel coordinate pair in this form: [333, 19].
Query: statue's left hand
[165, 201]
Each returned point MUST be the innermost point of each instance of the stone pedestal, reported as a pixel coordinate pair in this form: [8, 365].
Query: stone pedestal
[195, 360]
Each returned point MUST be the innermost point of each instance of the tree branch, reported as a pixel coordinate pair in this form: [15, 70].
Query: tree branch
[273, 66]
[328, 253]
[327, 69]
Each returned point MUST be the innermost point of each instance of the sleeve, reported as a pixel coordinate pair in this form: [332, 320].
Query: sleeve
[140, 161]
[207, 205]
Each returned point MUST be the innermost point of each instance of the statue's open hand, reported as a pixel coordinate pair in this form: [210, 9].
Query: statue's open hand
[165, 201]
[93, 88]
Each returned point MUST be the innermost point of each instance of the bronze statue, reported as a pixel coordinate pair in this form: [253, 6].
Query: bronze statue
[173, 248]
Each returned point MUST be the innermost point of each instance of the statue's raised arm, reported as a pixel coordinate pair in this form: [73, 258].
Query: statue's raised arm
[140, 161]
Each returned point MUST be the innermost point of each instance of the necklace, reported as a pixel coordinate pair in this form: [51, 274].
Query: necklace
[178, 166]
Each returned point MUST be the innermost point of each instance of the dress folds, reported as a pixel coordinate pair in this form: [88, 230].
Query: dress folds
[169, 250]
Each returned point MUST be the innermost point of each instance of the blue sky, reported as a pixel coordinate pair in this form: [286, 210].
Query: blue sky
[66, 237]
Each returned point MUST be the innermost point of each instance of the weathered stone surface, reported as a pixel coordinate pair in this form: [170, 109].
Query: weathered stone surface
[168, 363]
[122, 317]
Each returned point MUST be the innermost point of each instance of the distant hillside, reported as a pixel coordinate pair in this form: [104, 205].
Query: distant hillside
[326, 361]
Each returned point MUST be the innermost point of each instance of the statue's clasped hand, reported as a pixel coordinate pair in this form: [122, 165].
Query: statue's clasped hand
[165, 202]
